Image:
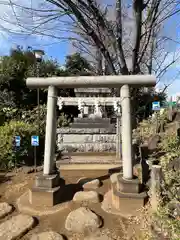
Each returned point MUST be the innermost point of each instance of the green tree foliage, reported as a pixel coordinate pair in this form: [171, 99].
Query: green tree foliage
[143, 100]
[20, 64]
[15, 68]
[77, 65]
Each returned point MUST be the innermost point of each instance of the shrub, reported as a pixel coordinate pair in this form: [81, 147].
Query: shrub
[170, 186]
[63, 120]
[170, 226]
[170, 143]
[25, 125]
[7, 114]
[11, 157]
[2, 118]
[31, 117]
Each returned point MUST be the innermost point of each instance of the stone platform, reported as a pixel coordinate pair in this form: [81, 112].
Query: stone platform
[92, 123]
[88, 159]
[26, 207]
[70, 140]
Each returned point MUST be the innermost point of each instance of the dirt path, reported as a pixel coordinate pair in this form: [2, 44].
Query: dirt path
[11, 187]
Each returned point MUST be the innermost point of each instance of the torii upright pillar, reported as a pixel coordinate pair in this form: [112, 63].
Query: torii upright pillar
[127, 187]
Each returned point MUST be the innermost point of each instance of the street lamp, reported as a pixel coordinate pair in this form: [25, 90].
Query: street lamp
[38, 56]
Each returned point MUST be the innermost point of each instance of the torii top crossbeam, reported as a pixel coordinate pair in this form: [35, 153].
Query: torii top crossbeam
[92, 81]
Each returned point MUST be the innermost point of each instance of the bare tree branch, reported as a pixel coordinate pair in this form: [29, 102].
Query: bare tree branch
[93, 26]
[91, 33]
[137, 8]
[123, 65]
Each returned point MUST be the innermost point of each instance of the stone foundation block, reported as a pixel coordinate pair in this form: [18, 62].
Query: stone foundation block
[47, 181]
[47, 191]
[128, 203]
[47, 197]
[128, 186]
[127, 196]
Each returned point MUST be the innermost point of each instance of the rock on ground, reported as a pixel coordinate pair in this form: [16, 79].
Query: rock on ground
[47, 236]
[93, 184]
[137, 170]
[82, 220]
[153, 142]
[114, 177]
[5, 209]
[15, 227]
[174, 164]
[89, 196]
[84, 180]
[174, 208]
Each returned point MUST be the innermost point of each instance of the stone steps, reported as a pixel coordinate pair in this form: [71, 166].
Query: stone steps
[92, 125]
[16, 226]
[80, 131]
[89, 120]
[91, 161]
[87, 147]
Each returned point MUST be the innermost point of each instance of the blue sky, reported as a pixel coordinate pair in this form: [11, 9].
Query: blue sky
[172, 29]
[59, 49]
[53, 48]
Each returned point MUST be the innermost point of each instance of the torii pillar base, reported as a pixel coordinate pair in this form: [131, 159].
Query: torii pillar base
[128, 196]
[48, 190]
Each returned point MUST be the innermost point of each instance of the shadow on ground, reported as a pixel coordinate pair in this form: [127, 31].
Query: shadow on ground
[70, 190]
[4, 178]
[101, 178]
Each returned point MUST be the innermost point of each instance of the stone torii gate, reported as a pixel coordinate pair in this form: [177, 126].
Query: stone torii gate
[49, 181]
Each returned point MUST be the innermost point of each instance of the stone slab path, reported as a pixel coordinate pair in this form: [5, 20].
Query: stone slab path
[15, 226]
[47, 236]
[5, 209]
[80, 220]
[89, 197]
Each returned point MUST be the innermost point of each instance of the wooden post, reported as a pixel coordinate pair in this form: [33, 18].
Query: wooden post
[157, 123]
[156, 178]
[170, 111]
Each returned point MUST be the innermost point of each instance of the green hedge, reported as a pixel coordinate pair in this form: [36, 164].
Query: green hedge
[11, 157]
